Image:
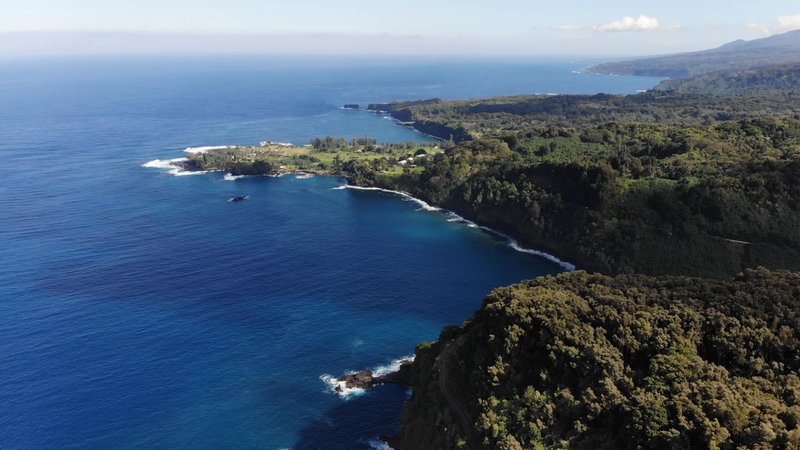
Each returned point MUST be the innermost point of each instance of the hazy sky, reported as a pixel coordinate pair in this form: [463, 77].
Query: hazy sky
[575, 27]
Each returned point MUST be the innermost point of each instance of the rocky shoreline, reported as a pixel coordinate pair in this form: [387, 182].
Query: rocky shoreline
[367, 379]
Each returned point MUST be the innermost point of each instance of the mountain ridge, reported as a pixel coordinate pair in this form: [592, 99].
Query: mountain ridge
[778, 49]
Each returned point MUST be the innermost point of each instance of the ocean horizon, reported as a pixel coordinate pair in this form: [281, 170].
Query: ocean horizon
[144, 309]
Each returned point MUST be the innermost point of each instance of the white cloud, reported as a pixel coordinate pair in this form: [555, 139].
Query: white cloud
[765, 29]
[643, 23]
[785, 23]
[789, 23]
[626, 24]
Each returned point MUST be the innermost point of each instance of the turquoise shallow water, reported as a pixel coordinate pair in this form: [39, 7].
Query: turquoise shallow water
[140, 309]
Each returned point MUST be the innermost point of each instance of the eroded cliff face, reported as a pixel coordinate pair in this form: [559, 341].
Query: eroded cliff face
[428, 421]
[596, 362]
[401, 113]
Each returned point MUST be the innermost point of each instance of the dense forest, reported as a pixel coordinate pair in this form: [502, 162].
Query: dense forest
[762, 80]
[593, 362]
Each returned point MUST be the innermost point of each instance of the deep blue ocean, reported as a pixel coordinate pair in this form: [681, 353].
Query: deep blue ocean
[143, 310]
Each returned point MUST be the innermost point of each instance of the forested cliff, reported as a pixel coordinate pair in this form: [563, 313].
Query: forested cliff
[595, 362]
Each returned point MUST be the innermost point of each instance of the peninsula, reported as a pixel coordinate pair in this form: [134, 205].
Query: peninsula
[323, 156]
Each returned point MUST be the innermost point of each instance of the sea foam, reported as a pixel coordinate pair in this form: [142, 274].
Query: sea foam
[172, 166]
[422, 203]
[232, 177]
[162, 163]
[378, 444]
[569, 267]
[282, 144]
[178, 172]
[392, 367]
[514, 244]
[343, 391]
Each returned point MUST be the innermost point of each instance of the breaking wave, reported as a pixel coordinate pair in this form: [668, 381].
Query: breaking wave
[339, 387]
[231, 177]
[162, 163]
[172, 165]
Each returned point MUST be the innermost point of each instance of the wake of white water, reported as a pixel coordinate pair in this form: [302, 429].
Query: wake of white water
[513, 243]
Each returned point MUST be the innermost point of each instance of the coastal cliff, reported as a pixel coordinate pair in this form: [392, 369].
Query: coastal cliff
[595, 362]
[402, 112]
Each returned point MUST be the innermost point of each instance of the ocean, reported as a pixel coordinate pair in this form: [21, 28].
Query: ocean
[144, 310]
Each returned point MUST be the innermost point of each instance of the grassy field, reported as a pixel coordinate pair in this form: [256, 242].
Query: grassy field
[393, 159]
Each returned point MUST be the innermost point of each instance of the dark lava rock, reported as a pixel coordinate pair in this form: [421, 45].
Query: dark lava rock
[365, 379]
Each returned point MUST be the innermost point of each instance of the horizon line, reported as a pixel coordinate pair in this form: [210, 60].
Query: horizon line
[21, 43]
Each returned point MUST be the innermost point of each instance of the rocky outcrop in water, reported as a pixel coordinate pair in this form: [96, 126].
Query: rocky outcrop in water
[366, 379]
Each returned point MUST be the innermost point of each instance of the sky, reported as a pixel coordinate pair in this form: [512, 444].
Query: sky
[458, 27]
